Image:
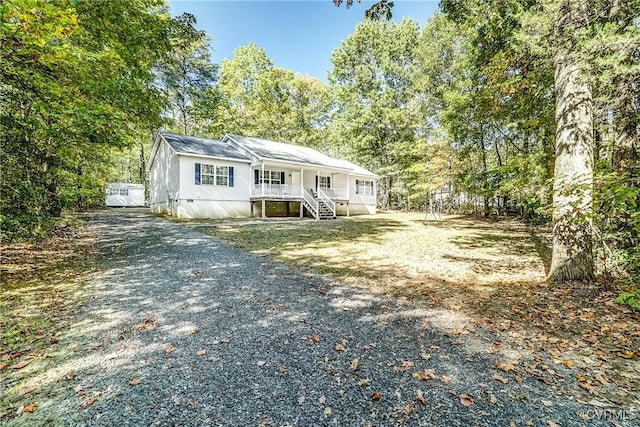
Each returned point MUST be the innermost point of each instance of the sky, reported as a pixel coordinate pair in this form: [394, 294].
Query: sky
[298, 35]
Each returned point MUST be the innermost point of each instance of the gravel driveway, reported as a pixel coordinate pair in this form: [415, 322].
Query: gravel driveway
[181, 329]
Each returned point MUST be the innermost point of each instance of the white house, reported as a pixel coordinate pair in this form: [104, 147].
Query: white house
[124, 195]
[240, 176]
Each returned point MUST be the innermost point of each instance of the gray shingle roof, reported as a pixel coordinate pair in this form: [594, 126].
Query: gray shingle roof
[183, 144]
[273, 150]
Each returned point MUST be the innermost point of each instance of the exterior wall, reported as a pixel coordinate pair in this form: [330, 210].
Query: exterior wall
[135, 197]
[211, 201]
[359, 204]
[164, 180]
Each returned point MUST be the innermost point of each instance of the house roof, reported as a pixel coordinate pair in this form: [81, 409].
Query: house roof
[279, 151]
[192, 145]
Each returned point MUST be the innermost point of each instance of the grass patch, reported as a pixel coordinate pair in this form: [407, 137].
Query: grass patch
[493, 272]
[40, 289]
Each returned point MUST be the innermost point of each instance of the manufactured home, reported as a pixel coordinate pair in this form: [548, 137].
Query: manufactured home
[241, 176]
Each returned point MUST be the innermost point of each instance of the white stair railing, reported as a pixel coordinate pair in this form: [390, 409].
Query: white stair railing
[327, 201]
[311, 203]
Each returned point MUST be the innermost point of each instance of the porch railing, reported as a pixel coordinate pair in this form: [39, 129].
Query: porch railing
[336, 193]
[276, 190]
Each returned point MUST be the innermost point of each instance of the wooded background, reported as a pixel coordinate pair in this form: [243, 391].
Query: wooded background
[526, 107]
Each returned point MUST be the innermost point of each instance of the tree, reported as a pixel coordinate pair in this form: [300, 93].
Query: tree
[376, 109]
[76, 81]
[187, 76]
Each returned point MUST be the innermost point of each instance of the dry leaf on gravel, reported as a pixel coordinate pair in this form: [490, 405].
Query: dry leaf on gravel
[340, 347]
[500, 378]
[201, 352]
[3, 365]
[466, 400]
[506, 367]
[427, 374]
[135, 381]
[425, 356]
[445, 379]
[355, 364]
[364, 383]
[147, 324]
[327, 410]
[420, 399]
[375, 396]
[169, 349]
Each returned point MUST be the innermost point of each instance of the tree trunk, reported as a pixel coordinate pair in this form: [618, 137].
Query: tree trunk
[572, 257]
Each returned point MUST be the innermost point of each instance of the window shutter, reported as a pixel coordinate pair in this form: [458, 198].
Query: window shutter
[328, 182]
[316, 182]
[357, 186]
[230, 176]
[197, 173]
[281, 177]
[256, 175]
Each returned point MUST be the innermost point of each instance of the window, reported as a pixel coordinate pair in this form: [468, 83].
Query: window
[119, 192]
[221, 176]
[269, 177]
[325, 182]
[364, 187]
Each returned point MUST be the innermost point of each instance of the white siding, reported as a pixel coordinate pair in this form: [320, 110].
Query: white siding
[164, 180]
[359, 204]
[211, 201]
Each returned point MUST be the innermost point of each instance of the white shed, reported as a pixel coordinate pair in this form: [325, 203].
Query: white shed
[124, 195]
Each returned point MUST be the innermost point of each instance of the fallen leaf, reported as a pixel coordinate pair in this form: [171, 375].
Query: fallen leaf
[404, 366]
[602, 379]
[340, 347]
[519, 379]
[314, 339]
[408, 409]
[29, 390]
[589, 387]
[425, 356]
[375, 396]
[364, 383]
[568, 363]
[512, 423]
[500, 378]
[201, 352]
[261, 362]
[546, 402]
[283, 369]
[506, 367]
[327, 410]
[626, 354]
[30, 408]
[493, 399]
[322, 400]
[355, 364]
[147, 324]
[169, 349]
[135, 381]
[420, 399]
[194, 330]
[427, 374]
[3, 365]
[466, 400]
[21, 364]
[553, 424]
[445, 379]
[90, 401]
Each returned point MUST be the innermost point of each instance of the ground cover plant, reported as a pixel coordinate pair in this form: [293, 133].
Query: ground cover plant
[492, 272]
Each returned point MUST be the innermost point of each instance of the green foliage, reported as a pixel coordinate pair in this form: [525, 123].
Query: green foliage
[76, 82]
[632, 299]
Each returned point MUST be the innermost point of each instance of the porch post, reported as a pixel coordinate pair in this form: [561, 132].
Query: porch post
[262, 186]
[348, 192]
[302, 192]
[264, 211]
